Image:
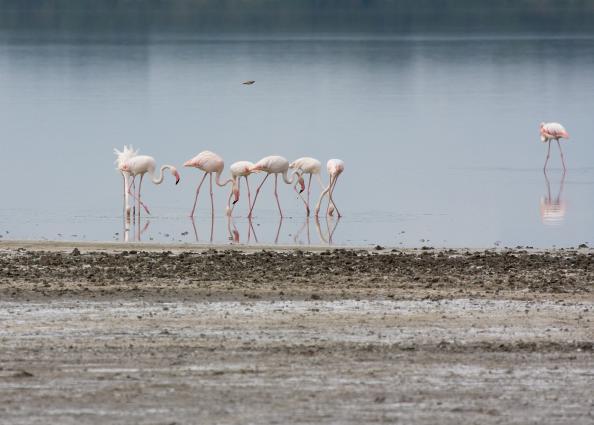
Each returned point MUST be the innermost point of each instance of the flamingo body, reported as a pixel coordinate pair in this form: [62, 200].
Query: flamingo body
[210, 163]
[311, 166]
[553, 131]
[276, 165]
[238, 170]
[335, 168]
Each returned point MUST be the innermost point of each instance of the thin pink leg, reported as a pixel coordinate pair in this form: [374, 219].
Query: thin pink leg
[308, 195]
[256, 196]
[276, 195]
[197, 192]
[137, 198]
[247, 183]
[562, 158]
[330, 186]
[331, 199]
[548, 155]
[139, 202]
[211, 198]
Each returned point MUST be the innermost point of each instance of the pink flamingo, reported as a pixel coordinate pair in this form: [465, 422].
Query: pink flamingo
[274, 165]
[553, 131]
[121, 158]
[309, 166]
[209, 162]
[239, 169]
[335, 168]
[140, 165]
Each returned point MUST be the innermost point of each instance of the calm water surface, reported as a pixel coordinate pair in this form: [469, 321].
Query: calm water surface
[439, 136]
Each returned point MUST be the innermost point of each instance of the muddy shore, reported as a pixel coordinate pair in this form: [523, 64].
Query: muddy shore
[97, 333]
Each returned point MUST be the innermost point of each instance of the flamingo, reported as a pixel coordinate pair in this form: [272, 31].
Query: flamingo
[121, 158]
[276, 165]
[553, 131]
[335, 168]
[209, 162]
[239, 169]
[311, 166]
[139, 165]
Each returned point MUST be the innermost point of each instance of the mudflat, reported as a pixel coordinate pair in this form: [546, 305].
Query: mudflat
[100, 333]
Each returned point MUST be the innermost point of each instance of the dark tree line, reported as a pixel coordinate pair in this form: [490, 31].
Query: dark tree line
[385, 16]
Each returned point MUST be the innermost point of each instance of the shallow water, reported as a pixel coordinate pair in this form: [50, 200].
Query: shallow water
[439, 135]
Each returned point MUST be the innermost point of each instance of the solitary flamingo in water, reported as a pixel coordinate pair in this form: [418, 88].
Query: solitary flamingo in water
[553, 131]
[140, 165]
[274, 165]
[309, 166]
[209, 162]
[121, 158]
[239, 169]
[335, 168]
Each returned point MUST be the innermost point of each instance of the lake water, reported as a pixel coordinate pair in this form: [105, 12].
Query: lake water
[439, 135]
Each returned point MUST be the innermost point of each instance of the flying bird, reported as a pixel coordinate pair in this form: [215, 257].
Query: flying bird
[274, 165]
[335, 168]
[140, 165]
[210, 163]
[249, 82]
[553, 131]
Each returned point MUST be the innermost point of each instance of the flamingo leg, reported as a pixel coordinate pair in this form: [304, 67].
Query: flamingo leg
[137, 198]
[317, 210]
[331, 200]
[197, 192]
[308, 194]
[229, 208]
[322, 184]
[139, 202]
[561, 152]
[327, 191]
[276, 196]
[548, 155]
[256, 196]
[211, 198]
[247, 183]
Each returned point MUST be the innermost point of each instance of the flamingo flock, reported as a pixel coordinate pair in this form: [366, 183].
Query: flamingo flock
[131, 165]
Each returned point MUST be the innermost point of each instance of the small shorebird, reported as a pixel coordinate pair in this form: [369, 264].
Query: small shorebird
[249, 82]
[335, 168]
[274, 165]
[553, 131]
[209, 162]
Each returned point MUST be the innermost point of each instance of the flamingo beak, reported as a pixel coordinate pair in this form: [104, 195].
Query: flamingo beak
[302, 184]
[236, 193]
[177, 178]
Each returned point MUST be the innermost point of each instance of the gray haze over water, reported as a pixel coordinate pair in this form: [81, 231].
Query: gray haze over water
[439, 133]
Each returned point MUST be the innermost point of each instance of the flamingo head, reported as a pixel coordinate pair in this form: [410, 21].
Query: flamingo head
[301, 183]
[235, 193]
[175, 174]
[125, 167]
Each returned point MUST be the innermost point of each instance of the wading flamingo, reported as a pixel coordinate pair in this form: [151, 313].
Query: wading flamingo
[309, 166]
[121, 158]
[553, 131]
[209, 162]
[335, 168]
[274, 165]
[239, 169]
[140, 165]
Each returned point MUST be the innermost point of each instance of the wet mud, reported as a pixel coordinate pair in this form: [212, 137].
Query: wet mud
[91, 334]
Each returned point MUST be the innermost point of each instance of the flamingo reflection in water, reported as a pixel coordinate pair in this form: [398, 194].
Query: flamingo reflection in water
[196, 228]
[138, 231]
[324, 238]
[234, 235]
[552, 210]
